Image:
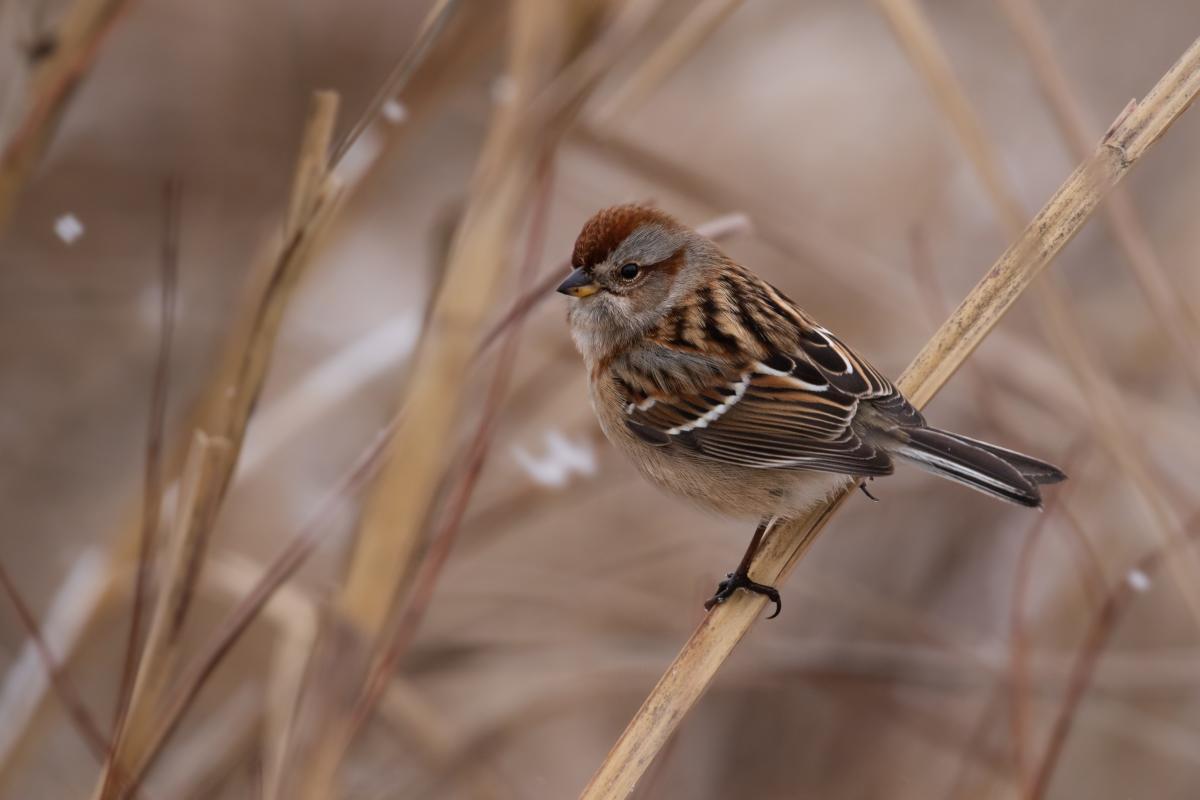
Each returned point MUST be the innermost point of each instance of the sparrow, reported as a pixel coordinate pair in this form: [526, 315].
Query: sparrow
[721, 389]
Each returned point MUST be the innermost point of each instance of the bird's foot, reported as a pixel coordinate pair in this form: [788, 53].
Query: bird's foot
[863, 486]
[736, 580]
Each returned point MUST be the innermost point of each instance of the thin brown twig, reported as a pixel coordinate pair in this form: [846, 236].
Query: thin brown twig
[719, 633]
[68, 695]
[682, 40]
[1104, 624]
[152, 482]
[1018, 706]
[432, 26]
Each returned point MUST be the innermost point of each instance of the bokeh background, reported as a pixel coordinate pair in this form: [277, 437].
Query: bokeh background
[936, 644]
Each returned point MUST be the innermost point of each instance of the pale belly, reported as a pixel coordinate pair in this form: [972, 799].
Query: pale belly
[729, 490]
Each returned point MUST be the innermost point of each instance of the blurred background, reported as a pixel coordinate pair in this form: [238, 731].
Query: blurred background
[936, 644]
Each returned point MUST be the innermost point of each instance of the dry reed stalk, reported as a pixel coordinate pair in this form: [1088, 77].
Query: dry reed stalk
[232, 391]
[314, 197]
[679, 44]
[72, 49]
[235, 384]
[152, 481]
[442, 542]
[234, 387]
[1103, 401]
[1062, 217]
[549, 90]
[199, 500]
[1171, 307]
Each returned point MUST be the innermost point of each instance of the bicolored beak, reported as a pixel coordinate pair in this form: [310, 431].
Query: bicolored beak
[578, 284]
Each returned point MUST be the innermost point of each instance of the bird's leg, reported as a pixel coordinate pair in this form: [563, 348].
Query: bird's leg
[740, 578]
[863, 486]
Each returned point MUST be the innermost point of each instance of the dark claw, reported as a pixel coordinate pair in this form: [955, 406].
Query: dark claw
[734, 581]
[863, 486]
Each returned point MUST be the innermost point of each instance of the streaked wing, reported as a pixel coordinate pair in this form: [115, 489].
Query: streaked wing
[788, 394]
[777, 413]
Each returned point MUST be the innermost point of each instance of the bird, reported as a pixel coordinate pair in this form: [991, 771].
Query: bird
[721, 389]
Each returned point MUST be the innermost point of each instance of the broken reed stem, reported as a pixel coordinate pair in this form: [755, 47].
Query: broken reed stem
[719, 633]
[314, 200]
[152, 482]
[199, 500]
[683, 40]
[73, 49]
[1171, 307]
[1101, 397]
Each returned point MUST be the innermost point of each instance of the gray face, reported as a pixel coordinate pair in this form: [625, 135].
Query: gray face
[626, 307]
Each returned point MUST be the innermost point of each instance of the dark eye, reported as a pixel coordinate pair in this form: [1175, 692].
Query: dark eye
[629, 271]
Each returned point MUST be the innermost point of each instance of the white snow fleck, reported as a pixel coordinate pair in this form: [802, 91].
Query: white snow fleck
[1138, 580]
[394, 112]
[68, 228]
[504, 90]
[360, 157]
[562, 458]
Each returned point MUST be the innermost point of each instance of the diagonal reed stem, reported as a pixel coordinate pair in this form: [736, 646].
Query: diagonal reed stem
[1056, 224]
[1103, 401]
